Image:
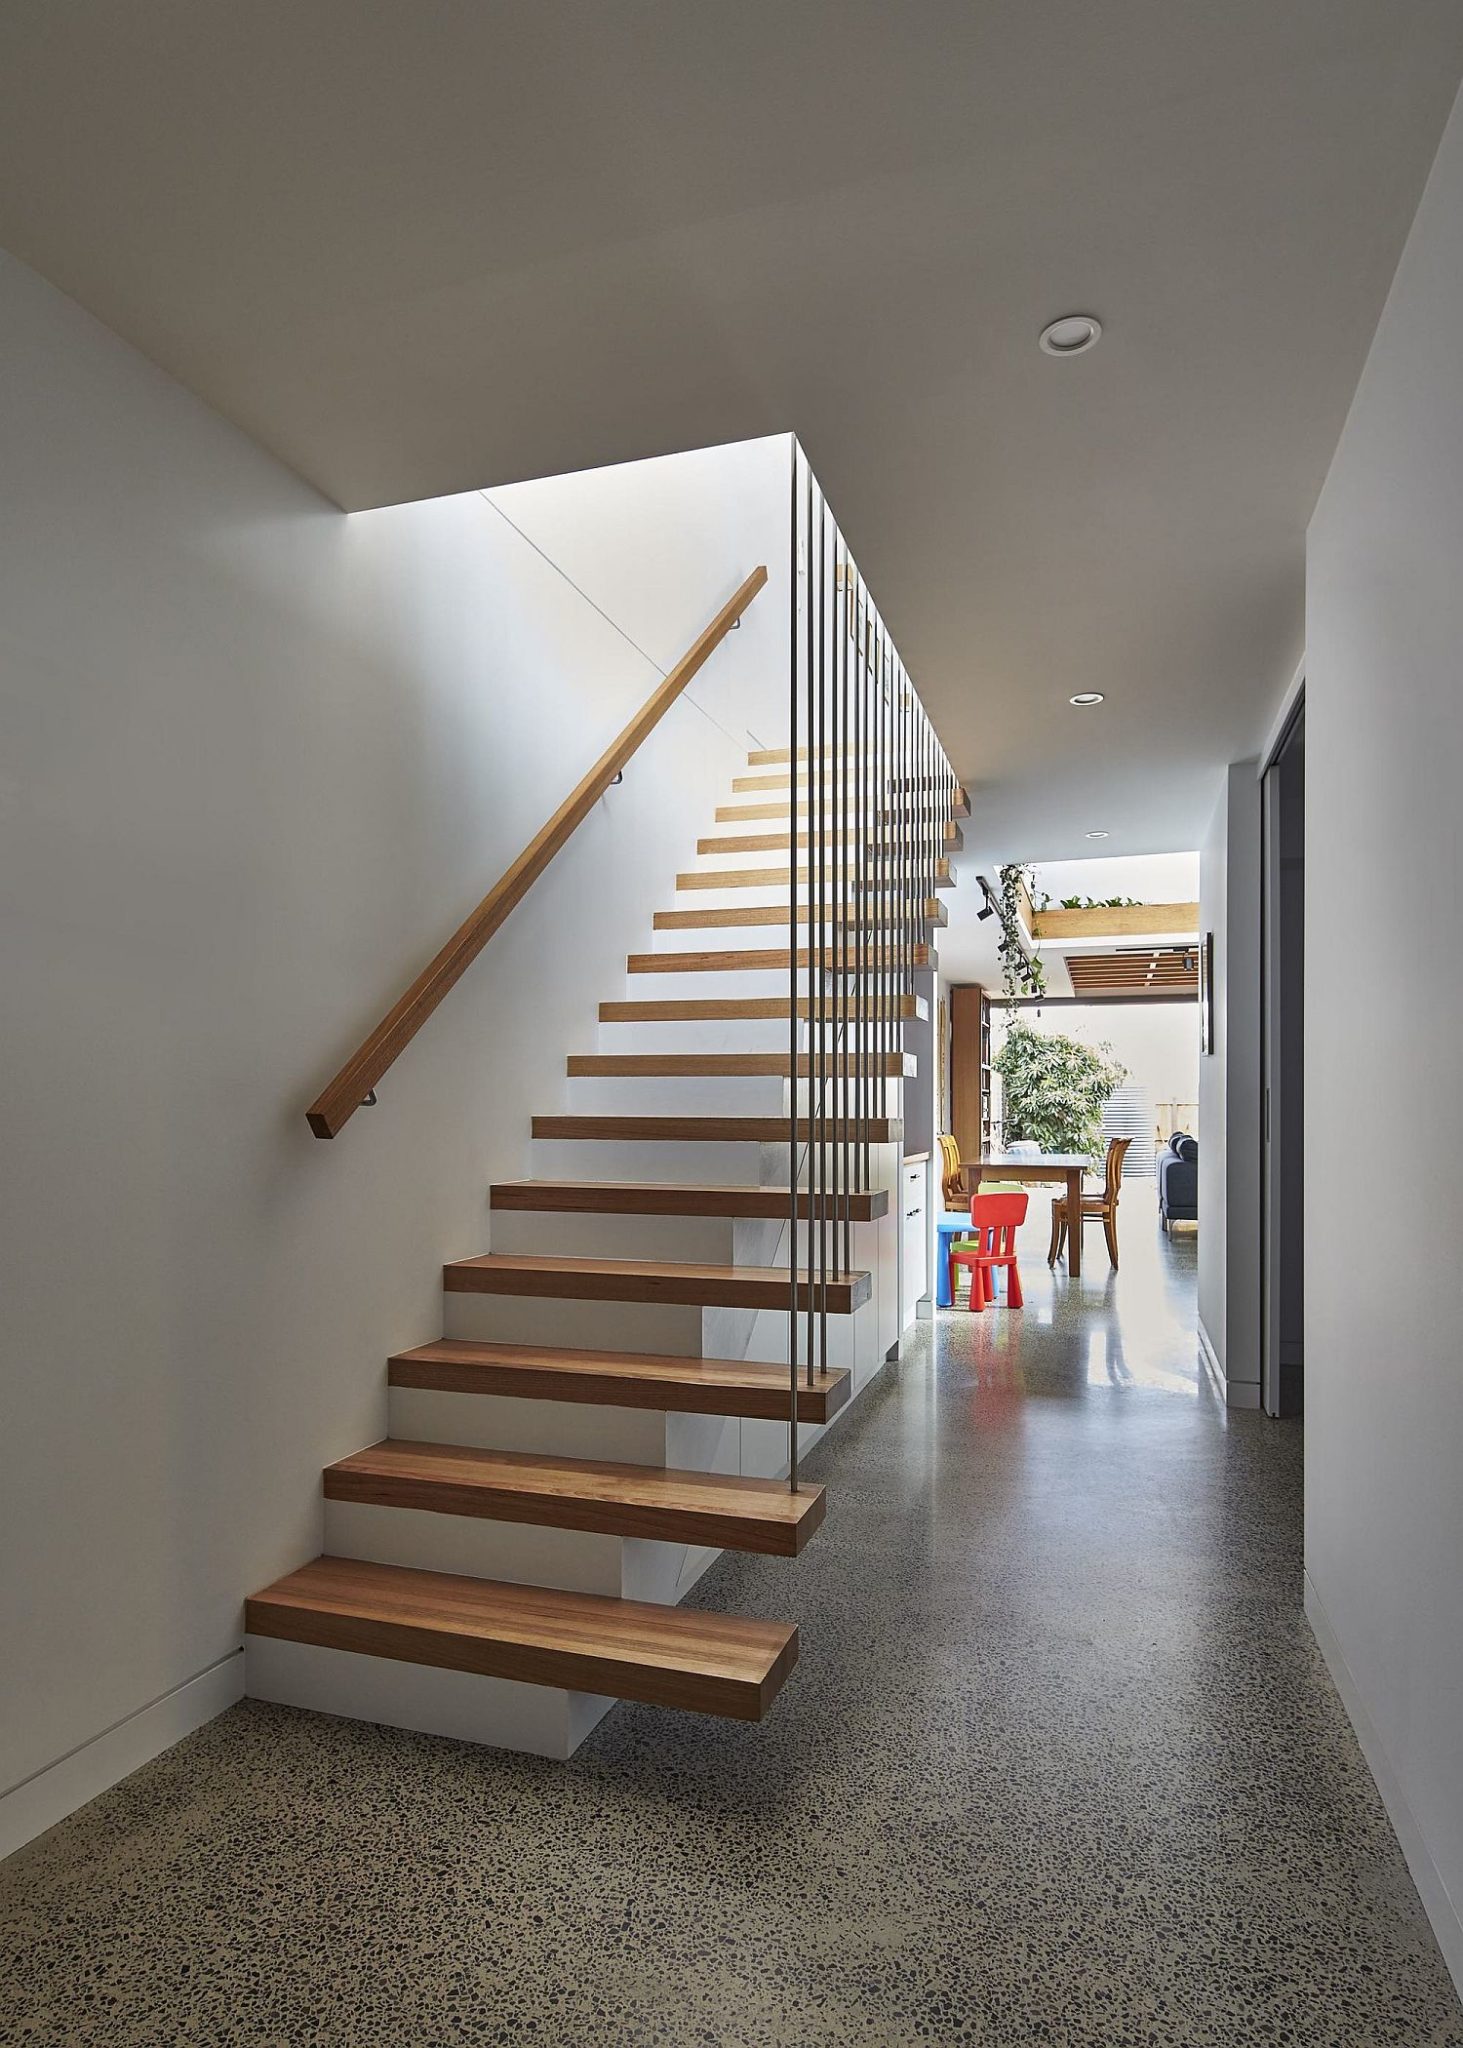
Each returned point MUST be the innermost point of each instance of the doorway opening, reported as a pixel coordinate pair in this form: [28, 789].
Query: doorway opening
[1282, 1053]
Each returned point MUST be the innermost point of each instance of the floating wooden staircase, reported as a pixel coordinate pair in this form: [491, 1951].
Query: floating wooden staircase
[489, 1561]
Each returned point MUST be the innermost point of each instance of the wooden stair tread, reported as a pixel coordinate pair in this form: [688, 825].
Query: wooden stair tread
[778, 842]
[661, 1198]
[676, 1282]
[750, 1009]
[881, 918]
[622, 1379]
[629, 1649]
[699, 1130]
[757, 960]
[721, 1510]
[773, 757]
[778, 806]
[829, 778]
[752, 878]
[733, 814]
[781, 878]
[732, 1065]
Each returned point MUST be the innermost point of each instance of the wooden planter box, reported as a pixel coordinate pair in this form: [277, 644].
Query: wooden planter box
[1141, 921]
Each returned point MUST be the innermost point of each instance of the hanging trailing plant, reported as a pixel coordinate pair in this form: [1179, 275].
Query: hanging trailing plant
[1022, 972]
[1054, 1089]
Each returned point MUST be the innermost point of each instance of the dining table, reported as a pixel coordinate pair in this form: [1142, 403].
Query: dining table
[1039, 1166]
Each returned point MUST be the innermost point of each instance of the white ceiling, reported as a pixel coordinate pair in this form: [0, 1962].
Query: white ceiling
[416, 248]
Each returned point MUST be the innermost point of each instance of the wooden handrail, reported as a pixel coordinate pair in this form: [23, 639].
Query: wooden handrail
[338, 1102]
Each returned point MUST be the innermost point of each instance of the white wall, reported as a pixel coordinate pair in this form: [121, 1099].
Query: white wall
[1229, 1090]
[1150, 877]
[1384, 869]
[258, 759]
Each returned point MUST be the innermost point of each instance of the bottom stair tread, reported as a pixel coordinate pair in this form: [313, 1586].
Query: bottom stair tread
[665, 1656]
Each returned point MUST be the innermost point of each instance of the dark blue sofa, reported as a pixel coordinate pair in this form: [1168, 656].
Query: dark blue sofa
[1178, 1180]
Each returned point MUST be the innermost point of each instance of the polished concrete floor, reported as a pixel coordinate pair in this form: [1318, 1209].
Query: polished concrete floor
[1061, 1764]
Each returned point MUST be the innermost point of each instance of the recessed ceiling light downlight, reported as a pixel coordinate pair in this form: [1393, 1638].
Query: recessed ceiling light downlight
[1085, 698]
[1073, 335]
[1097, 835]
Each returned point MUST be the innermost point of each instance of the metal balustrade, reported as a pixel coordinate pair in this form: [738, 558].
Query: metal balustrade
[880, 795]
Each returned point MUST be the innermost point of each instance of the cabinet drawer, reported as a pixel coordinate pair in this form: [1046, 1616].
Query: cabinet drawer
[914, 1234]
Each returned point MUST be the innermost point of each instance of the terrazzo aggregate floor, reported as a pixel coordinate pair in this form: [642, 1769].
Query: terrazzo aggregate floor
[1061, 1764]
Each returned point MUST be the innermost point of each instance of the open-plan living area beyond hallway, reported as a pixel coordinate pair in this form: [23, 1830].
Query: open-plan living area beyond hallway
[730, 930]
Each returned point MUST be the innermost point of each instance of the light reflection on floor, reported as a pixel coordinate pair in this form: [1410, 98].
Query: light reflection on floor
[1109, 1330]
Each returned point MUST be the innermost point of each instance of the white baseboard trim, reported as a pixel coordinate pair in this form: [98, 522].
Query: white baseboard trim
[57, 1790]
[1210, 1357]
[1440, 1907]
[1233, 1393]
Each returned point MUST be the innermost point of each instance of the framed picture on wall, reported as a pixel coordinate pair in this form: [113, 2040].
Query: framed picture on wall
[1206, 992]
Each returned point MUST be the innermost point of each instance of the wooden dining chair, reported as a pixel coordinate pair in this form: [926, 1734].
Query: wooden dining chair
[952, 1173]
[1104, 1205]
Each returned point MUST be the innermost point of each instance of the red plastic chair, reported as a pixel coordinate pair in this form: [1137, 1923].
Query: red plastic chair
[994, 1221]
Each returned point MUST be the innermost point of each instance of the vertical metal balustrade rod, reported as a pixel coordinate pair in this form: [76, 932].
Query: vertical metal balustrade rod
[861, 928]
[880, 858]
[927, 829]
[825, 939]
[921, 826]
[842, 894]
[878, 815]
[932, 852]
[892, 863]
[792, 986]
[902, 859]
[850, 937]
[811, 1153]
[878, 909]
[912, 910]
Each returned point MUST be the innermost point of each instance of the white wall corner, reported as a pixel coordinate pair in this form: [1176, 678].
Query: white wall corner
[1441, 1908]
[40, 1802]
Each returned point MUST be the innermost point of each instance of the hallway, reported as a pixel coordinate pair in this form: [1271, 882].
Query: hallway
[1060, 1764]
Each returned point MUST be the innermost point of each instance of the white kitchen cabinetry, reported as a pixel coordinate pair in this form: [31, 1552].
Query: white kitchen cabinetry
[914, 1185]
